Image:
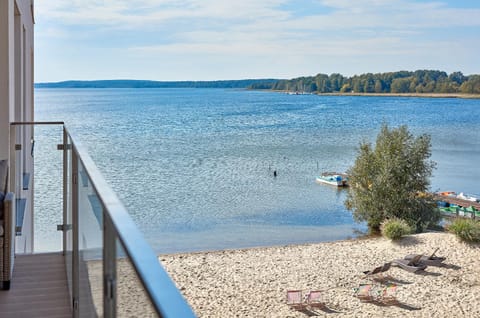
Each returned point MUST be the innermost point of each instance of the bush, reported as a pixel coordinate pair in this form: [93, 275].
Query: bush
[466, 230]
[395, 228]
[387, 178]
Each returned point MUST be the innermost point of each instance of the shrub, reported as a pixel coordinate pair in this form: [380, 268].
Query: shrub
[386, 179]
[466, 230]
[395, 228]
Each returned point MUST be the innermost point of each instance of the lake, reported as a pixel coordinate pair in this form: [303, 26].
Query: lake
[194, 167]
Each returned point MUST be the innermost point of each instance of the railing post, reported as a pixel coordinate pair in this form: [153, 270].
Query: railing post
[65, 190]
[109, 268]
[75, 238]
[12, 164]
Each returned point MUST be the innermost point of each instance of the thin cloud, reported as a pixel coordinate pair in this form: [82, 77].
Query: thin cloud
[254, 14]
[128, 14]
[333, 34]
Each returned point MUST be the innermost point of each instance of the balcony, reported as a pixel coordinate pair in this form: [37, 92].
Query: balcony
[105, 267]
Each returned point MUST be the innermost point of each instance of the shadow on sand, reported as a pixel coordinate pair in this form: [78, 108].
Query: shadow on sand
[310, 312]
[425, 273]
[396, 303]
[388, 279]
[408, 241]
[449, 266]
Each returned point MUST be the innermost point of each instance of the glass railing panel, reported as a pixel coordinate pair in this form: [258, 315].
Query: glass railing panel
[132, 300]
[87, 202]
[18, 148]
[91, 287]
[100, 223]
[90, 244]
[48, 186]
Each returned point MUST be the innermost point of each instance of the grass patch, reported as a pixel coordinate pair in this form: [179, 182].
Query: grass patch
[467, 230]
[395, 228]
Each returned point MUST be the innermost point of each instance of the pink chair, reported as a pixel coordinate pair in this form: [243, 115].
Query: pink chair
[315, 299]
[388, 295]
[295, 300]
[365, 293]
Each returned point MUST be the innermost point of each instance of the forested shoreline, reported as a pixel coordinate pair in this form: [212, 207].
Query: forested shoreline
[402, 82]
[418, 82]
[125, 83]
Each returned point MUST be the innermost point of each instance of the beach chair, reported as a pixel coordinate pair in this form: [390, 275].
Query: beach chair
[374, 271]
[365, 293]
[388, 295]
[315, 300]
[295, 300]
[412, 265]
[378, 272]
[431, 260]
[381, 276]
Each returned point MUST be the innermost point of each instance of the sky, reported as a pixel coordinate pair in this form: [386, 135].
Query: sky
[172, 40]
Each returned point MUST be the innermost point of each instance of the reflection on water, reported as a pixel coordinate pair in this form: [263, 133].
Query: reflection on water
[195, 166]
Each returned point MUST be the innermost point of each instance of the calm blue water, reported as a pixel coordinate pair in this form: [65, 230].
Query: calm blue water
[194, 167]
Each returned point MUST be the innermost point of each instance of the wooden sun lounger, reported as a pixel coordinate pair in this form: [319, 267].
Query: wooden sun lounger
[377, 272]
[412, 265]
[428, 260]
[374, 271]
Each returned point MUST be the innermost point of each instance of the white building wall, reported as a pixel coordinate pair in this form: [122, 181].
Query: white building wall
[16, 101]
[6, 74]
[16, 66]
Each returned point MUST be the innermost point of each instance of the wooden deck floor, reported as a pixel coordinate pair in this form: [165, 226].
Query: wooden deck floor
[38, 288]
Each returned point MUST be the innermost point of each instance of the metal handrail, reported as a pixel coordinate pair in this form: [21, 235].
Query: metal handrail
[20, 123]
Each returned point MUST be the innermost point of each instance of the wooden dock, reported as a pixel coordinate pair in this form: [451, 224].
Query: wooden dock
[457, 201]
[461, 203]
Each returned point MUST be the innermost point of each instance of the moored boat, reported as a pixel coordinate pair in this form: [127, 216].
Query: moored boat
[467, 197]
[339, 180]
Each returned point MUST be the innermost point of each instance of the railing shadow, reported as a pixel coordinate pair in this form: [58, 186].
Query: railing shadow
[405, 306]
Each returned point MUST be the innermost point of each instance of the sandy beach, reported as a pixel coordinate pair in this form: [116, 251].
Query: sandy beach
[253, 282]
[424, 95]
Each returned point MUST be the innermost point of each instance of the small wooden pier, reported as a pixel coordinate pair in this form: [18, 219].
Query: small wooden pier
[457, 201]
[461, 203]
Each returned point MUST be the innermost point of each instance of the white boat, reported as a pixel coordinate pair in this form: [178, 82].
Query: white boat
[339, 180]
[467, 197]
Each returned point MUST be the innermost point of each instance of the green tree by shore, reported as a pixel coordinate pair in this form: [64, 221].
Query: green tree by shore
[420, 81]
[391, 180]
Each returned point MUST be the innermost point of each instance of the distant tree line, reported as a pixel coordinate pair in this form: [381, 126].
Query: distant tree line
[421, 81]
[158, 84]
